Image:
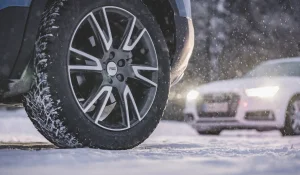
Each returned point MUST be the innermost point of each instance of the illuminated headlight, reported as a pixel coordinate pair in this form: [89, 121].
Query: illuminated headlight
[262, 92]
[192, 95]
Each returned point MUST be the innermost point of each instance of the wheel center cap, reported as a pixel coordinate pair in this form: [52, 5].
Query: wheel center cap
[112, 69]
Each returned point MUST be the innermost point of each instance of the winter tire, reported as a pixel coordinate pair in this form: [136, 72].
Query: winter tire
[292, 121]
[102, 74]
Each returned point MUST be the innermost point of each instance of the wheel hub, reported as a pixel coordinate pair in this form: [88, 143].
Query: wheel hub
[112, 69]
[117, 67]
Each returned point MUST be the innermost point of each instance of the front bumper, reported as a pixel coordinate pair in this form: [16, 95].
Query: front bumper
[273, 116]
[184, 47]
[233, 125]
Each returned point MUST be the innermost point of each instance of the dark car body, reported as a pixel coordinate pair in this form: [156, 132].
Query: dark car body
[20, 20]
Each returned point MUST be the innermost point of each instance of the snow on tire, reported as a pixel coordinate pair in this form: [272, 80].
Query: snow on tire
[39, 104]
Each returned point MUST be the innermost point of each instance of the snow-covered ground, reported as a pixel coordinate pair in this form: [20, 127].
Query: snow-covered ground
[174, 149]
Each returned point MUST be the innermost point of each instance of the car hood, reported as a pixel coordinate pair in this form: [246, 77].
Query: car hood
[235, 85]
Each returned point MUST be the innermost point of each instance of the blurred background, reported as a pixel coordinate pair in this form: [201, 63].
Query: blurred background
[232, 37]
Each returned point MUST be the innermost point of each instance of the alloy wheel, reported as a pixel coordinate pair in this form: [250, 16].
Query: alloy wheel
[113, 68]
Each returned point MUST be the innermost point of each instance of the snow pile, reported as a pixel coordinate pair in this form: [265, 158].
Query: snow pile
[173, 149]
[16, 127]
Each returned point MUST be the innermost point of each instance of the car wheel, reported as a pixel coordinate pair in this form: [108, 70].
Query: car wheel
[102, 74]
[210, 132]
[292, 121]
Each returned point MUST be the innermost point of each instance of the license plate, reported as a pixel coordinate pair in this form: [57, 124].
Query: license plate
[215, 107]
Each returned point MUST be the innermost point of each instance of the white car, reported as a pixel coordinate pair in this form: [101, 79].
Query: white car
[267, 98]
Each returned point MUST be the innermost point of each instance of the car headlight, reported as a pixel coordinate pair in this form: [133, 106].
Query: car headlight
[262, 92]
[192, 95]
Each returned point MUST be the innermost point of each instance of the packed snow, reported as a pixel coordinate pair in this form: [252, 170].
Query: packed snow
[173, 149]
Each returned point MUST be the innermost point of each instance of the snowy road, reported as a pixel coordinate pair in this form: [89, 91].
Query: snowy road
[174, 149]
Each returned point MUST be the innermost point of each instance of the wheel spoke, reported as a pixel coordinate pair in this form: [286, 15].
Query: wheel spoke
[107, 110]
[107, 42]
[93, 99]
[126, 96]
[128, 35]
[136, 70]
[76, 68]
[89, 57]
[100, 116]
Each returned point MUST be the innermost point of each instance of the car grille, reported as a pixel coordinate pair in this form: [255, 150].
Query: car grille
[230, 98]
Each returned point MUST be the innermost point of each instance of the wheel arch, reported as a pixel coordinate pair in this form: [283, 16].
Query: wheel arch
[175, 20]
[293, 97]
[164, 14]
[297, 94]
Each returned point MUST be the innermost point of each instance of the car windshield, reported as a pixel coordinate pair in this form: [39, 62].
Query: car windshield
[290, 69]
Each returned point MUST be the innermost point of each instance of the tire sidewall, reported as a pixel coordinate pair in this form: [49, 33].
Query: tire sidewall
[60, 88]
